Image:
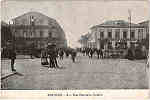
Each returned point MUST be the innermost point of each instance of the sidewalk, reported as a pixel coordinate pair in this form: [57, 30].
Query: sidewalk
[23, 57]
[6, 66]
[85, 73]
[6, 69]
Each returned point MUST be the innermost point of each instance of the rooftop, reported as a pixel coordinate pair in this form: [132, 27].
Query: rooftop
[116, 23]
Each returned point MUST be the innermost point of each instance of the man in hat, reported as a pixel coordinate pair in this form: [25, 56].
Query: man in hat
[73, 55]
[12, 57]
[52, 55]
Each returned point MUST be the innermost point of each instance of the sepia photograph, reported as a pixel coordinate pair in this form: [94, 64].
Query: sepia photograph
[74, 45]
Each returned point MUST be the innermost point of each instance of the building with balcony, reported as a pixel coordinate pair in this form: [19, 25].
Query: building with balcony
[34, 29]
[117, 34]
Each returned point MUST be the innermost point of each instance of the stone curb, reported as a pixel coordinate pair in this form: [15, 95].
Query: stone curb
[8, 75]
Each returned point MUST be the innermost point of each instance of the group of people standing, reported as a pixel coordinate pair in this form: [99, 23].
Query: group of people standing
[131, 53]
[90, 52]
[50, 55]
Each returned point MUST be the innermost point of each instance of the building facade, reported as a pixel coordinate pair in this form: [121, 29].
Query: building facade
[5, 34]
[35, 29]
[84, 40]
[118, 34]
[146, 41]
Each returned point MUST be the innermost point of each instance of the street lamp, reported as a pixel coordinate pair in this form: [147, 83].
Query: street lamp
[12, 30]
[129, 11]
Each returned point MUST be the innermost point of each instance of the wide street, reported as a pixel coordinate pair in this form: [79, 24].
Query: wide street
[84, 74]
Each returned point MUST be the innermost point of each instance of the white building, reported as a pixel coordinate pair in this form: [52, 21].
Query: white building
[112, 33]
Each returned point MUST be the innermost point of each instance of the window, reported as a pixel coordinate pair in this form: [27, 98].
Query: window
[101, 34]
[28, 35]
[32, 19]
[41, 21]
[109, 45]
[132, 35]
[41, 33]
[124, 34]
[24, 34]
[23, 21]
[117, 34]
[140, 34]
[31, 34]
[109, 34]
[50, 35]
[54, 35]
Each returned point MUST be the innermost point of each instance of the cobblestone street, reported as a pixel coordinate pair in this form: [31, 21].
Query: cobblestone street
[84, 74]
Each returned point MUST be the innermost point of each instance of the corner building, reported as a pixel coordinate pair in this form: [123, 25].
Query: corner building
[111, 34]
[34, 28]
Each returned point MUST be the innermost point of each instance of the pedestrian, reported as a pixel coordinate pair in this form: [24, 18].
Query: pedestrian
[101, 53]
[52, 54]
[55, 56]
[73, 55]
[61, 54]
[87, 50]
[67, 53]
[98, 53]
[12, 56]
[83, 51]
[44, 57]
[91, 53]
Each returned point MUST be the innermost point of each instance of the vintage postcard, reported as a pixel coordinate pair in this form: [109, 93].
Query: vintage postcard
[71, 49]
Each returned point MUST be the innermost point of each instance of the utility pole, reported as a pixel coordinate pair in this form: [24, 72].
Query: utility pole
[129, 11]
[14, 30]
[12, 35]
[129, 18]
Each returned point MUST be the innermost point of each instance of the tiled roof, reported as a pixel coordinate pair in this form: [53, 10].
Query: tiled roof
[116, 23]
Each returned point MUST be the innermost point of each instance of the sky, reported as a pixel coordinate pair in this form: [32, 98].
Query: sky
[76, 17]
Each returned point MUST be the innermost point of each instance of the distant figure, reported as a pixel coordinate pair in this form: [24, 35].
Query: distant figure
[91, 52]
[44, 57]
[99, 53]
[83, 51]
[67, 53]
[12, 56]
[31, 55]
[87, 50]
[61, 54]
[130, 54]
[73, 55]
[144, 52]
